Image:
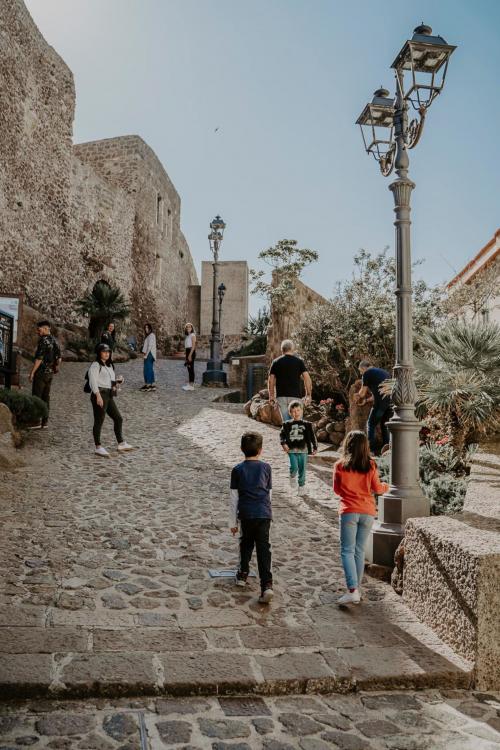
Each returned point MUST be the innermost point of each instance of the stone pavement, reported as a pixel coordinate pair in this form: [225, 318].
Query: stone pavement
[107, 591]
[427, 720]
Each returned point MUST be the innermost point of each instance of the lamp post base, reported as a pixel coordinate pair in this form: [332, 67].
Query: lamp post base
[383, 543]
[215, 377]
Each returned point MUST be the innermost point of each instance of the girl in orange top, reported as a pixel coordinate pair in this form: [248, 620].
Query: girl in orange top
[355, 481]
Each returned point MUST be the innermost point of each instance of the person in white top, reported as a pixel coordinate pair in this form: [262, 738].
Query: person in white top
[102, 382]
[190, 349]
[149, 354]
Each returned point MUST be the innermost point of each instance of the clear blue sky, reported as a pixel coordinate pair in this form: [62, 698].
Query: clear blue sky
[284, 81]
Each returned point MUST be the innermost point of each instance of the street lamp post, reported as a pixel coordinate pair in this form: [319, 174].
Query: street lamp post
[388, 135]
[221, 290]
[214, 374]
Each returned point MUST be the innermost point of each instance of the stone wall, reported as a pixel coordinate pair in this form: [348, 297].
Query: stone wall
[285, 322]
[72, 216]
[234, 274]
[451, 577]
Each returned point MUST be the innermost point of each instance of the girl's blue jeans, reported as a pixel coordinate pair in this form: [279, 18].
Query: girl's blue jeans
[149, 370]
[298, 465]
[354, 532]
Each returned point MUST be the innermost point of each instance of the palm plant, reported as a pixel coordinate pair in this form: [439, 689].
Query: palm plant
[458, 377]
[103, 305]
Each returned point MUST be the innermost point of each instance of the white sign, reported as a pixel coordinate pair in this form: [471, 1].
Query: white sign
[10, 305]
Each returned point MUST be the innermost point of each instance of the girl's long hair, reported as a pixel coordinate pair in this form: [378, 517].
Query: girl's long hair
[148, 328]
[356, 452]
[192, 329]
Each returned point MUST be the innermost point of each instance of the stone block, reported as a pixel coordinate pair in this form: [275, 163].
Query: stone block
[42, 640]
[452, 583]
[276, 637]
[149, 639]
[23, 675]
[109, 674]
[298, 672]
[220, 673]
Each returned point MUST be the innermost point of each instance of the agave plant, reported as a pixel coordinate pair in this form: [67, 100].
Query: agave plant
[458, 377]
[103, 305]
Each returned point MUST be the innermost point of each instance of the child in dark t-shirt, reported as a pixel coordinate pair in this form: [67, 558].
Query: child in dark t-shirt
[251, 488]
[298, 440]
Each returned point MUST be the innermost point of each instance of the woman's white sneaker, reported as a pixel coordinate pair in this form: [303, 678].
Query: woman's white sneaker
[125, 447]
[100, 451]
[352, 597]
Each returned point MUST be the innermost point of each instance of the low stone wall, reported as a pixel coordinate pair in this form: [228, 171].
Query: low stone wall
[451, 576]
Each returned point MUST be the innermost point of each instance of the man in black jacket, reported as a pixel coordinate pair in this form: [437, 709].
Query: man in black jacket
[46, 364]
[298, 440]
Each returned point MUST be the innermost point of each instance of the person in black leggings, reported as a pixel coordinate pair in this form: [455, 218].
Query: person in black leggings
[190, 349]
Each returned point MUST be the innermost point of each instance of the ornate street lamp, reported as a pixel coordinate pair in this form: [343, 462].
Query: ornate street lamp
[214, 374]
[420, 71]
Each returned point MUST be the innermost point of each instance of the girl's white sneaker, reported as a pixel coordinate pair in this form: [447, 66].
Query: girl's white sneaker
[352, 597]
[100, 451]
[124, 447]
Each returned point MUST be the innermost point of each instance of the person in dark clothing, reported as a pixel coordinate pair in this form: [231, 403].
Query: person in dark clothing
[190, 351]
[298, 440]
[45, 366]
[381, 411]
[285, 379]
[251, 489]
[108, 337]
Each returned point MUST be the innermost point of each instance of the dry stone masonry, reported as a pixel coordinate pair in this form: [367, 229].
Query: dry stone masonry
[74, 215]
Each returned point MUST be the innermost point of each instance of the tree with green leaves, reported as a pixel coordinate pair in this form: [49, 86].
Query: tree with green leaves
[287, 261]
[458, 378]
[359, 322]
[103, 305]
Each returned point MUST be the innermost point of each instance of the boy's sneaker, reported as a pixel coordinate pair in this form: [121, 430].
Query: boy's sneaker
[36, 426]
[351, 597]
[302, 490]
[124, 447]
[145, 387]
[240, 578]
[101, 451]
[266, 594]
[152, 387]
[293, 481]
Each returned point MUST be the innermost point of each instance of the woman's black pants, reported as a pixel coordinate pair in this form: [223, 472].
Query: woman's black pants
[110, 408]
[190, 365]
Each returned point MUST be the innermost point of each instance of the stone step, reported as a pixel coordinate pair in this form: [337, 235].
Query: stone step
[114, 674]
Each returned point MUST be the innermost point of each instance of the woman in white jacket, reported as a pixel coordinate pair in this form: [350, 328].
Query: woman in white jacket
[102, 382]
[149, 354]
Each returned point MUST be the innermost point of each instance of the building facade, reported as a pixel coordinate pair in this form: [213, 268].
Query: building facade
[480, 281]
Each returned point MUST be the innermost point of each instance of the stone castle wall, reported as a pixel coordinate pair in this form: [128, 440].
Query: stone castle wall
[73, 215]
[285, 322]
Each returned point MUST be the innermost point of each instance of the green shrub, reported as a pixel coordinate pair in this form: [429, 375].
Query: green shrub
[26, 409]
[441, 477]
[446, 494]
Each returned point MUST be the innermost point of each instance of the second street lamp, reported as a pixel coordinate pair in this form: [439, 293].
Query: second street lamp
[424, 60]
[214, 374]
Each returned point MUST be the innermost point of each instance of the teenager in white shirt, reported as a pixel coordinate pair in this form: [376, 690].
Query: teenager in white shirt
[149, 354]
[190, 349]
[102, 382]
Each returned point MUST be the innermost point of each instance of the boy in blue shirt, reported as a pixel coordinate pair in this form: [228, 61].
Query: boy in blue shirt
[251, 488]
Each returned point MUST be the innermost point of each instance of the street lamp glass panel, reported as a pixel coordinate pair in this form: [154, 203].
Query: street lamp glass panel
[376, 123]
[425, 59]
[217, 224]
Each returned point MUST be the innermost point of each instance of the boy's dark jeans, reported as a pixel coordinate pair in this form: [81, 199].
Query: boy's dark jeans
[41, 388]
[255, 532]
[110, 408]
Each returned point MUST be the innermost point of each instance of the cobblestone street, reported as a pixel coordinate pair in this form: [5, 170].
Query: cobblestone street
[108, 594]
